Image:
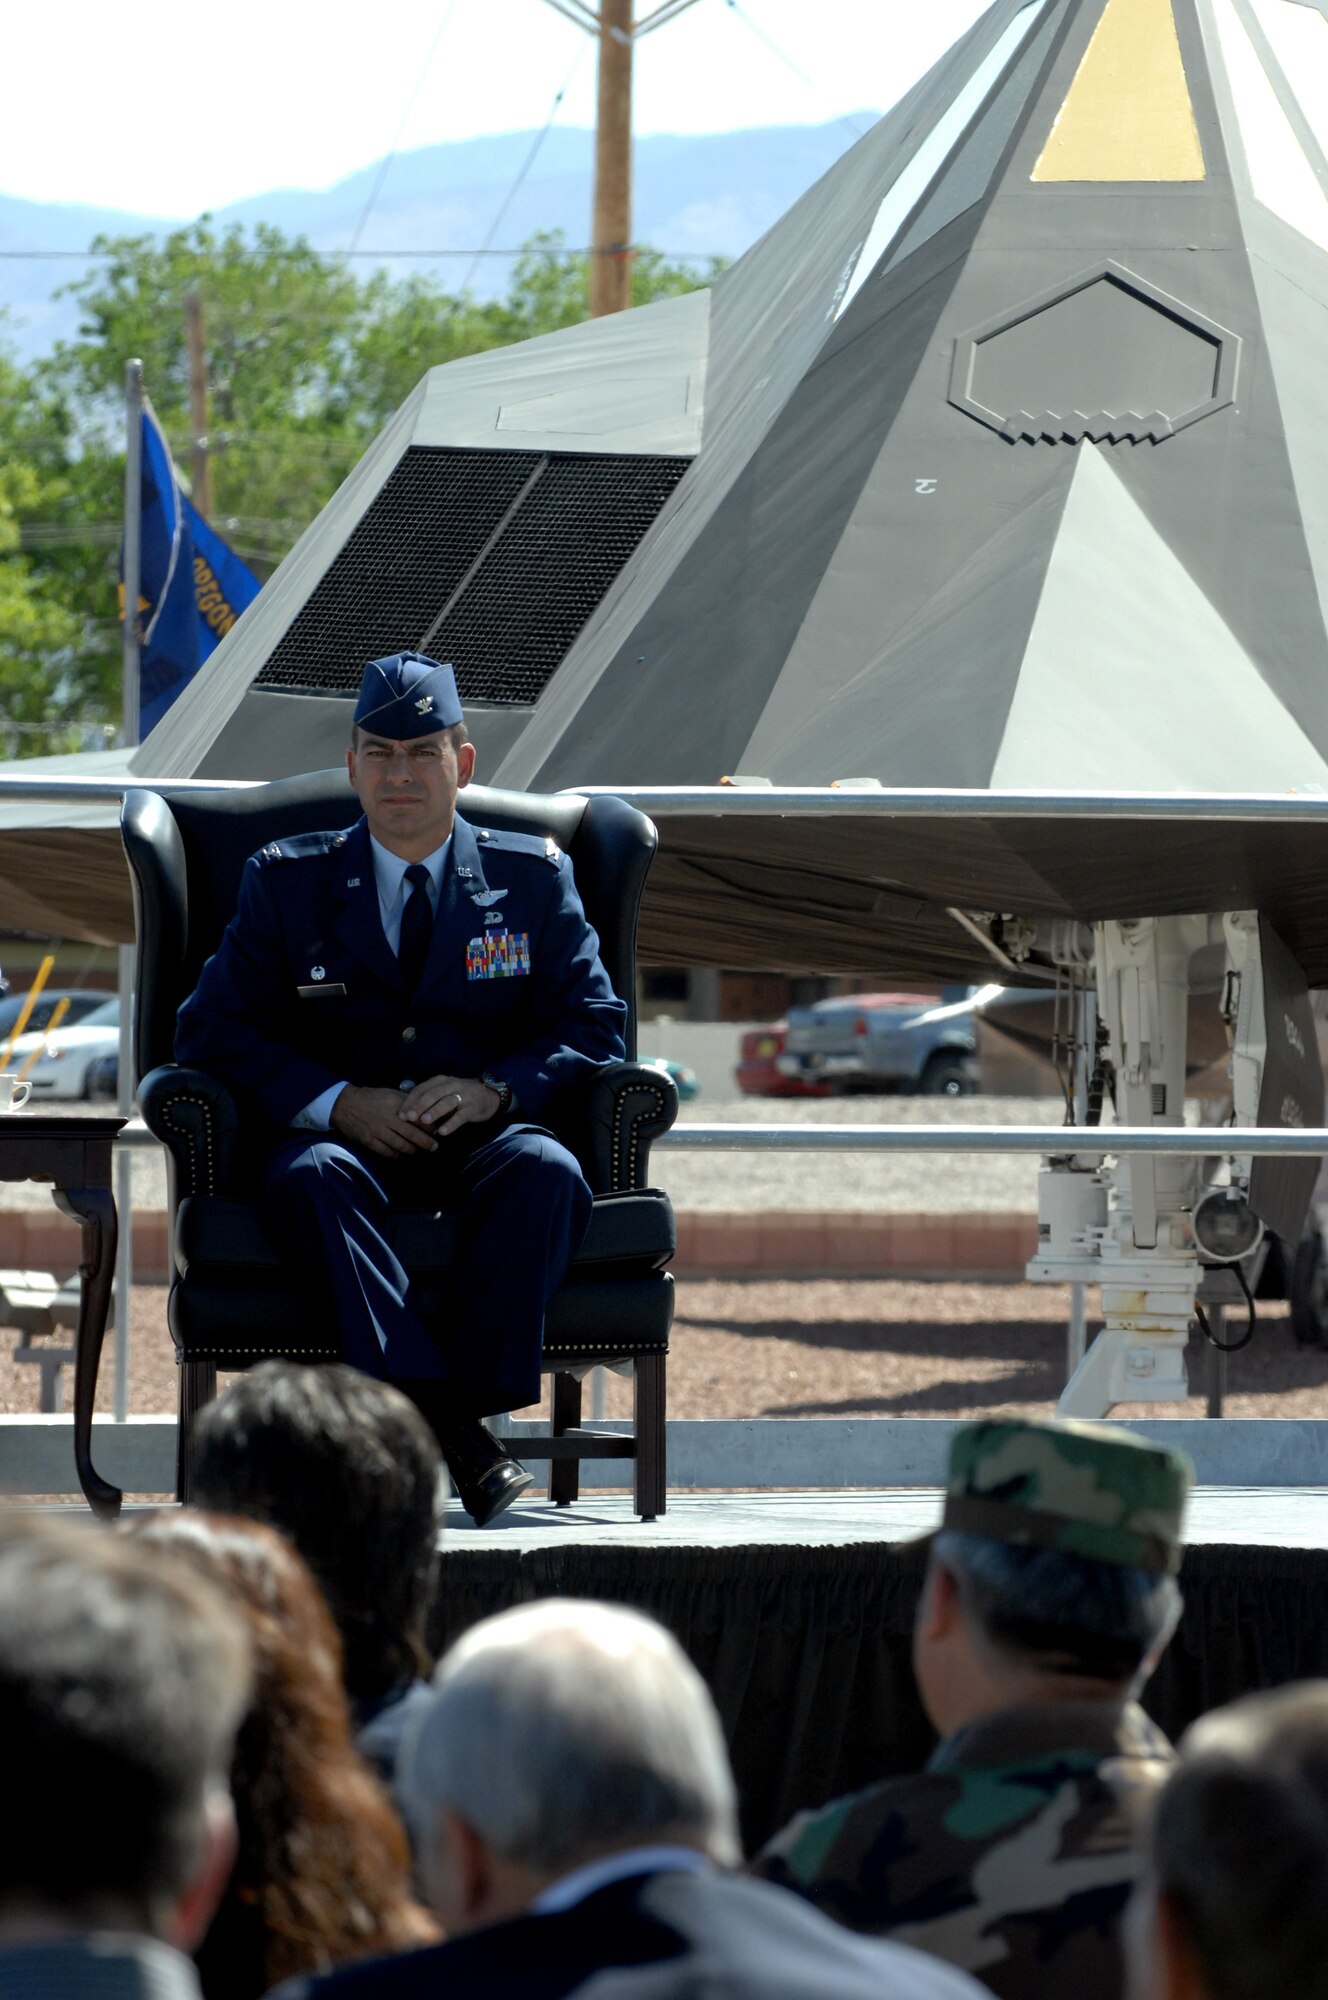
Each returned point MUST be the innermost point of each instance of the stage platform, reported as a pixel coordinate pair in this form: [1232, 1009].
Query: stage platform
[1271, 1516]
[797, 1608]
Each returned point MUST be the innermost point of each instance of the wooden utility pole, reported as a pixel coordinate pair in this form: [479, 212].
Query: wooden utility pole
[611, 258]
[200, 471]
[611, 238]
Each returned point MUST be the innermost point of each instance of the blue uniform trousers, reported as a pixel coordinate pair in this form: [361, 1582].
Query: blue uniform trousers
[523, 1205]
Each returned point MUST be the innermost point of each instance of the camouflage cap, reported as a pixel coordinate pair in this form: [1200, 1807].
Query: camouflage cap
[1082, 1488]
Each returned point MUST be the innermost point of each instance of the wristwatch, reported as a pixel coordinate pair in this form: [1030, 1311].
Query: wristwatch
[502, 1091]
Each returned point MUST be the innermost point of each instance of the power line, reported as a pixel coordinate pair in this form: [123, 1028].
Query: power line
[386, 163]
[526, 166]
[334, 256]
[45, 535]
[857, 130]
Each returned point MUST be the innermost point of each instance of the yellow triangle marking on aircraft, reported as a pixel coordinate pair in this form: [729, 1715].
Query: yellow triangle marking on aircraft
[1128, 115]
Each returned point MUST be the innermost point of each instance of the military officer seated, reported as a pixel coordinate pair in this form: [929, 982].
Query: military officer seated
[401, 1011]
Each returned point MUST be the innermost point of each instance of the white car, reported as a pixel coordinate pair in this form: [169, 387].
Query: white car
[67, 1055]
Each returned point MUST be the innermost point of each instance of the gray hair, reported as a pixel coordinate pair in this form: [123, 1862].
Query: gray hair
[1239, 1845]
[1066, 1613]
[123, 1679]
[562, 1731]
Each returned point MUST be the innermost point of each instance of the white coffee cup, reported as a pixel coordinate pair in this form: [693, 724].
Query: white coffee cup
[13, 1093]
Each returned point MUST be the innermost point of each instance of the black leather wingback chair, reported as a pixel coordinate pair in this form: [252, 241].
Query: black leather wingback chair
[232, 1300]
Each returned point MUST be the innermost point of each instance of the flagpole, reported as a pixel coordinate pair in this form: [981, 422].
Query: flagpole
[124, 1159]
[133, 544]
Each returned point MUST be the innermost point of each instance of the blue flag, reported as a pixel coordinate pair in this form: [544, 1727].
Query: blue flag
[192, 587]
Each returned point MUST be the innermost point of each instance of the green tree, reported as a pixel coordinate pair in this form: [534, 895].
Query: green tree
[281, 324]
[286, 422]
[44, 685]
[551, 284]
[408, 327]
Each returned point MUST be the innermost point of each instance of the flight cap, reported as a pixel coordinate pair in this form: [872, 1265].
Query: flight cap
[406, 695]
[1085, 1489]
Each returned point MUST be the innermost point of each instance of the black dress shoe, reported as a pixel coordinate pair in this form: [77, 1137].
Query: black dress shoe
[495, 1489]
[485, 1478]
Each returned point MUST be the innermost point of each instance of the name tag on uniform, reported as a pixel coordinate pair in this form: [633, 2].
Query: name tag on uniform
[326, 991]
[498, 955]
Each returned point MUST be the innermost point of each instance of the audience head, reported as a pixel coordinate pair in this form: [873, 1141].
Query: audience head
[322, 1866]
[560, 1733]
[347, 1469]
[1053, 1573]
[1234, 1901]
[123, 1679]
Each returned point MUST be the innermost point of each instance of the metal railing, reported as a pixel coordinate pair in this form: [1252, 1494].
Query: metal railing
[1186, 1140]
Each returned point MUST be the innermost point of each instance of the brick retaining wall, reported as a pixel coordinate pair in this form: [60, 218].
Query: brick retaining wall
[778, 1243]
[797, 1243]
[39, 1239]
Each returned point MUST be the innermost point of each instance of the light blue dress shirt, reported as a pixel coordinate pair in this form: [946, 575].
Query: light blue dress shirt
[393, 889]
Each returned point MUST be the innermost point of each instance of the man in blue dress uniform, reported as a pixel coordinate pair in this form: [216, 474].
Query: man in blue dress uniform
[400, 1009]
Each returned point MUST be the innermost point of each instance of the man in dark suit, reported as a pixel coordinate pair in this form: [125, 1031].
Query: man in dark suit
[574, 1817]
[400, 1010]
[122, 1683]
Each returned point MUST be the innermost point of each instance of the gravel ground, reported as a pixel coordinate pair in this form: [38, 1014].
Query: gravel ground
[821, 1347]
[943, 1183]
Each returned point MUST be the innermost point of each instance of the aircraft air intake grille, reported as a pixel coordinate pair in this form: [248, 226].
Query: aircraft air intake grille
[493, 560]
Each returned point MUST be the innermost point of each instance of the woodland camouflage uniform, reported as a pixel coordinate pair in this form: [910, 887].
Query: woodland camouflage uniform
[1013, 1853]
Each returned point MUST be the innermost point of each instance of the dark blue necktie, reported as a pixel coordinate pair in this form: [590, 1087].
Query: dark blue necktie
[416, 925]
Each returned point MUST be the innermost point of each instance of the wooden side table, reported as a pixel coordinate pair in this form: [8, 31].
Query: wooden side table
[73, 1153]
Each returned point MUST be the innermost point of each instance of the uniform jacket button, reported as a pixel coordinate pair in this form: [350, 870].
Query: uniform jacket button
[406, 1083]
[407, 1034]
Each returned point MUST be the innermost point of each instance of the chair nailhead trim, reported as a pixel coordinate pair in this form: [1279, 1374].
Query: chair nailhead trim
[268, 1353]
[333, 1353]
[634, 1142]
[605, 1347]
[209, 1146]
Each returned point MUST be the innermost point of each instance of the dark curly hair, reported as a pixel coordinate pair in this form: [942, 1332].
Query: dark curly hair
[322, 1873]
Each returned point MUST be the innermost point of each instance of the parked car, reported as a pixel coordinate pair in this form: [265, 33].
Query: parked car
[884, 1042]
[757, 1072]
[66, 1058]
[103, 1079]
[688, 1082]
[82, 1002]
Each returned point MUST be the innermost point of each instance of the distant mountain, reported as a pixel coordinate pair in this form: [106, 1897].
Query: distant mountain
[711, 194]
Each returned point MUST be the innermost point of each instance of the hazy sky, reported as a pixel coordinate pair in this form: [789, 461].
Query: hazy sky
[170, 106]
